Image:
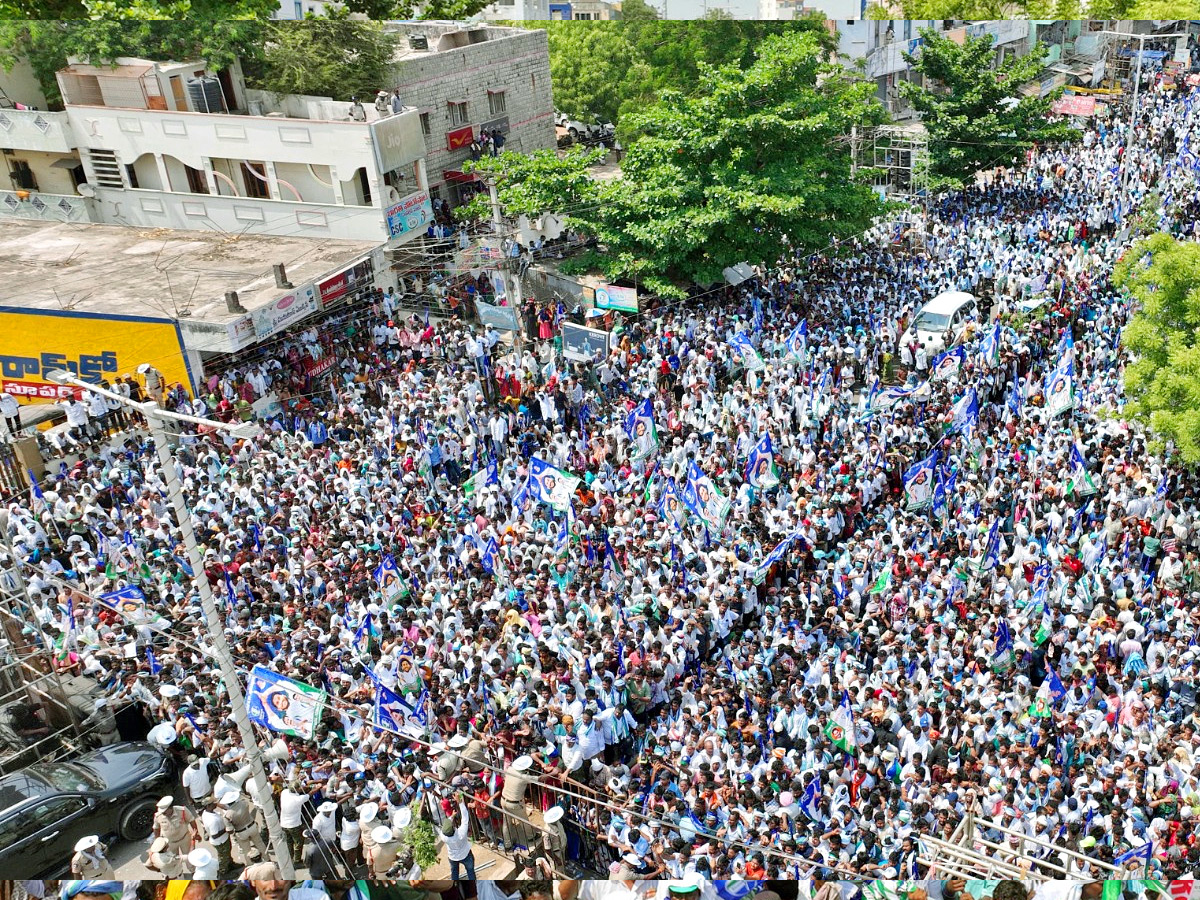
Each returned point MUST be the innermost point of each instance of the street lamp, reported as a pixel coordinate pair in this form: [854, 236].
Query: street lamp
[156, 419]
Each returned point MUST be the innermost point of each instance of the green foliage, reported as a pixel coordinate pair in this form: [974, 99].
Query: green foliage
[333, 55]
[1162, 379]
[208, 35]
[612, 69]
[421, 839]
[751, 162]
[637, 11]
[1165, 9]
[538, 182]
[715, 179]
[974, 112]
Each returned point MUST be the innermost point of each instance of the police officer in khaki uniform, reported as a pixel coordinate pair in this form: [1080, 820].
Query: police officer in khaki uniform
[89, 862]
[554, 837]
[175, 825]
[242, 822]
[517, 779]
[368, 815]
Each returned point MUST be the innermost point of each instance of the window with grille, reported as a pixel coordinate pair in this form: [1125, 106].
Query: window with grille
[426, 127]
[459, 114]
[496, 104]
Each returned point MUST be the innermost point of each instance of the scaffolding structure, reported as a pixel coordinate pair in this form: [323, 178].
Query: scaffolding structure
[41, 712]
[976, 849]
[898, 156]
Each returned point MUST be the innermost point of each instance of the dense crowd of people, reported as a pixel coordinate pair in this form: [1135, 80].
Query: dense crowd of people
[711, 664]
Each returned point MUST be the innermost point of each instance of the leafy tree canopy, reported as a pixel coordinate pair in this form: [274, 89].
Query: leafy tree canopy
[332, 55]
[974, 111]
[538, 182]
[611, 69]
[1162, 380]
[752, 162]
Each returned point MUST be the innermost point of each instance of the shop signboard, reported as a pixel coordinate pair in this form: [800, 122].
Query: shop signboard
[94, 346]
[611, 296]
[345, 282]
[412, 213]
[502, 318]
[285, 312]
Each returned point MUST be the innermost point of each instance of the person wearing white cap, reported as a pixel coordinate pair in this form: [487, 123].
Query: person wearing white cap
[517, 779]
[89, 862]
[176, 826]
[242, 820]
[324, 822]
[554, 836]
[205, 866]
[368, 815]
[161, 859]
[386, 848]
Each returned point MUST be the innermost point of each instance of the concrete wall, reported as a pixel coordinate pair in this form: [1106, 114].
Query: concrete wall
[50, 207]
[200, 212]
[21, 85]
[517, 62]
[23, 129]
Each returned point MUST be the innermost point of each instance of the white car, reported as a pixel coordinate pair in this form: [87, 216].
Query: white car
[946, 314]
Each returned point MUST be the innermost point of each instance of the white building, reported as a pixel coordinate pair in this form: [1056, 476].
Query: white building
[882, 45]
[174, 145]
[787, 10]
[298, 9]
[517, 11]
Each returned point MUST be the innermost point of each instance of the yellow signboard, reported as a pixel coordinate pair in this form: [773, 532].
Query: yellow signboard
[91, 345]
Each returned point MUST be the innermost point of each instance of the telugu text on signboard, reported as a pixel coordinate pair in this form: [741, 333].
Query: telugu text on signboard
[412, 213]
[90, 345]
[285, 312]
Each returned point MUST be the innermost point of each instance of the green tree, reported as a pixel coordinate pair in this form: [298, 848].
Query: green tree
[715, 179]
[332, 55]
[48, 43]
[615, 68]
[594, 69]
[1162, 379]
[1164, 9]
[637, 11]
[973, 110]
[534, 183]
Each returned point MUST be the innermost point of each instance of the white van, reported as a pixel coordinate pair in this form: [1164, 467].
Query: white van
[948, 313]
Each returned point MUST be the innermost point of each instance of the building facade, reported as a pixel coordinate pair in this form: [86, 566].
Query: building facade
[462, 80]
[518, 11]
[174, 145]
[881, 44]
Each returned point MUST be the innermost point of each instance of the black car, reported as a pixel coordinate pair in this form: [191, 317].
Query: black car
[46, 808]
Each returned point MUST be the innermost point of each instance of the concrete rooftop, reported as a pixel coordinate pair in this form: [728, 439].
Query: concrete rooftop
[155, 272]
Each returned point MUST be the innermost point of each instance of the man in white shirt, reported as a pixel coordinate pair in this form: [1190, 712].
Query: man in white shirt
[291, 803]
[196, 780]
[458, 844]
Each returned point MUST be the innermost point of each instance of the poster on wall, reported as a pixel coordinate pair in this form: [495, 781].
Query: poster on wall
[584, 344]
